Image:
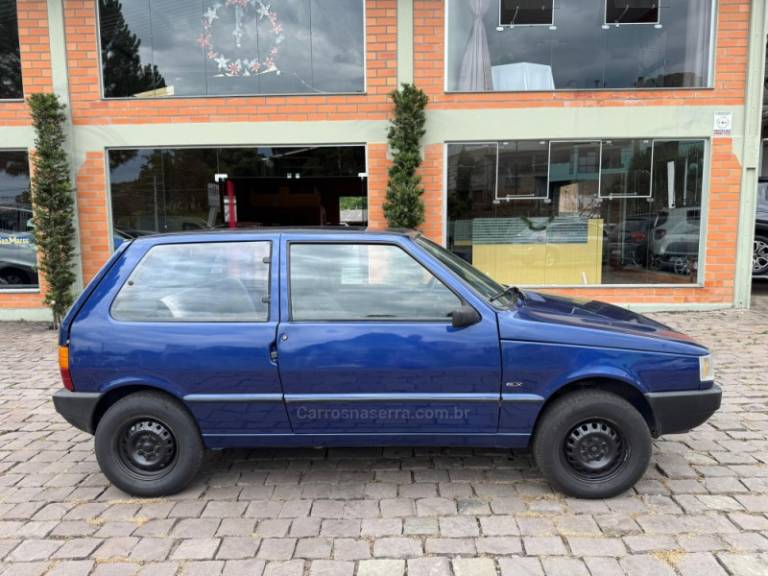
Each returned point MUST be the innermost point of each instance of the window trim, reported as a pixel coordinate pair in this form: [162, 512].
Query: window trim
[703, 230]
[711, 59]
[245, 95]
[270, 272]
[607, 25]
[551, 24]
[292, 320]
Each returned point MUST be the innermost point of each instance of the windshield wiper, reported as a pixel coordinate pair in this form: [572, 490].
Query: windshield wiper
[509, 290]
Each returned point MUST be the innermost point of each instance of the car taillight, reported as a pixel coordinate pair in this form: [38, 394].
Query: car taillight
[66, 377]
[637, 236]
[659, 233]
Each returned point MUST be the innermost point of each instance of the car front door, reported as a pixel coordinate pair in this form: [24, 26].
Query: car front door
[366, 344]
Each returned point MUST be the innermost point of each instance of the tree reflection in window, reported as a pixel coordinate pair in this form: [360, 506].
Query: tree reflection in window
[10, 61]
[124, 74]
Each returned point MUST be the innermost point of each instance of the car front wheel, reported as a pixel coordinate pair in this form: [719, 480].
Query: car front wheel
[592, 444]
[148, 445]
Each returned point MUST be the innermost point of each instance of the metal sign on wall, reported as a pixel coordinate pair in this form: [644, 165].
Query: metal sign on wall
[723, 125]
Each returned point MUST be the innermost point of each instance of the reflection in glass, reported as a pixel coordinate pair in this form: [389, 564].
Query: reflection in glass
[626, 168]
[18, 256]
[174, 189]
[214, 282]
[648, 234]
[180, 48]
[10, 61]
[364, 282]
[523, 169]
[581, 51]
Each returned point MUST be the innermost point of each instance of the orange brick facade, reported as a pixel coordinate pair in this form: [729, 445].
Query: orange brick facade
[89, 109]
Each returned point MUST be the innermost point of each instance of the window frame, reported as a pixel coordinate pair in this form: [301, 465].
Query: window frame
[267, 301]
[703, 229]
[238, 95]
[650, 175]
[606, 24]
[549, 24]
[711, 58]
[21, 75]
[509, 198]
[289, 295]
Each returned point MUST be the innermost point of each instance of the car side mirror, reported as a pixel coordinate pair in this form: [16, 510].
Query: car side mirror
[464, 317]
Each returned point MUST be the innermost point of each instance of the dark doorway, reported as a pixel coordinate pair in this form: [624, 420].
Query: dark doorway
[299, 201]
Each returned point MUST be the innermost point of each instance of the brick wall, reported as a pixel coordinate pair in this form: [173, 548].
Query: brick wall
[92, 213]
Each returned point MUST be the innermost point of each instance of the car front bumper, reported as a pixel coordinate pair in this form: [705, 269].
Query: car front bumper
[678, 412]
[77, 408]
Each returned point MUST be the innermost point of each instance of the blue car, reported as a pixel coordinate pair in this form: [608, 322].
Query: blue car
[343, 337]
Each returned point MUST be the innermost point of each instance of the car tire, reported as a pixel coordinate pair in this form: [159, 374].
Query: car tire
[760, 256]
[592, 444]
[148, 445]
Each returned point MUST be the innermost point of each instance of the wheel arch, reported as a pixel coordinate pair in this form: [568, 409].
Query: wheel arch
[114, 394]
[622, 388]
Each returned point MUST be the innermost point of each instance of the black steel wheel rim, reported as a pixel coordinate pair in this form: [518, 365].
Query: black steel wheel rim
[147, 448]
[595, 450]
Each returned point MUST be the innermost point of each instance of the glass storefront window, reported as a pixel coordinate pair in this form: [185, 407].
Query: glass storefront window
[10, 57]
[166, 48]
[18, 256]
[614, 211]
[158, 190]
[541, 45]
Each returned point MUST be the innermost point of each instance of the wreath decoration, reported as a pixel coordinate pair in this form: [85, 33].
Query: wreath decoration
[241, 64]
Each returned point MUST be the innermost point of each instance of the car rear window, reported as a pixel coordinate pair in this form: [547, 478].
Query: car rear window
[206, 282]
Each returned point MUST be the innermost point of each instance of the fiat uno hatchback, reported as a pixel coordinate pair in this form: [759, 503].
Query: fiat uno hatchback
[359, 338]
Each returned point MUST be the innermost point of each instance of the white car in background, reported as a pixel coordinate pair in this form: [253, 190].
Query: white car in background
[675, 238]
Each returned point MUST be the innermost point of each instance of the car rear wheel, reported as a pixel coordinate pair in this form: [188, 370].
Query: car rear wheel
[148, 445]
[760, 256]
[592, 444]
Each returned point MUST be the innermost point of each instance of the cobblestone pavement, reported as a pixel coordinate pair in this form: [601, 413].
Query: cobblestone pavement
[702, 509]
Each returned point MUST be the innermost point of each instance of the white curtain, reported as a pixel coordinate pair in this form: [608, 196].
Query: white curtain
[475, 74]
[698, 42]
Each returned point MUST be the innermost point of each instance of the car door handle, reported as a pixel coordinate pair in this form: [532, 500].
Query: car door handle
[273, 352]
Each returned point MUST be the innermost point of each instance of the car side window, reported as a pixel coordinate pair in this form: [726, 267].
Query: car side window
[368, 282]
[205, 282]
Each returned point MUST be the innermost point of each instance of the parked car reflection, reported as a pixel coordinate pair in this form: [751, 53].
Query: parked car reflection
[675, 241]
[18, 260]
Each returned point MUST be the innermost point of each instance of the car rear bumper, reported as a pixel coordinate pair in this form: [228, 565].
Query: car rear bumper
[77, 408]
[677, 412]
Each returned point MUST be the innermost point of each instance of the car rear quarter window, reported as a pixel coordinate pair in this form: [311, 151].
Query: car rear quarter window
[364, 282]
[202, 282]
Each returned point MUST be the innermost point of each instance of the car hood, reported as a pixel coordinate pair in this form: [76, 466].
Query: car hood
[547, 318]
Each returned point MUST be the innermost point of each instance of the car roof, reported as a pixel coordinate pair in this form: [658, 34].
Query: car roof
[225, 234]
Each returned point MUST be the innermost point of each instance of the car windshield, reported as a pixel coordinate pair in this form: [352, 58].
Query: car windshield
[487, 287]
